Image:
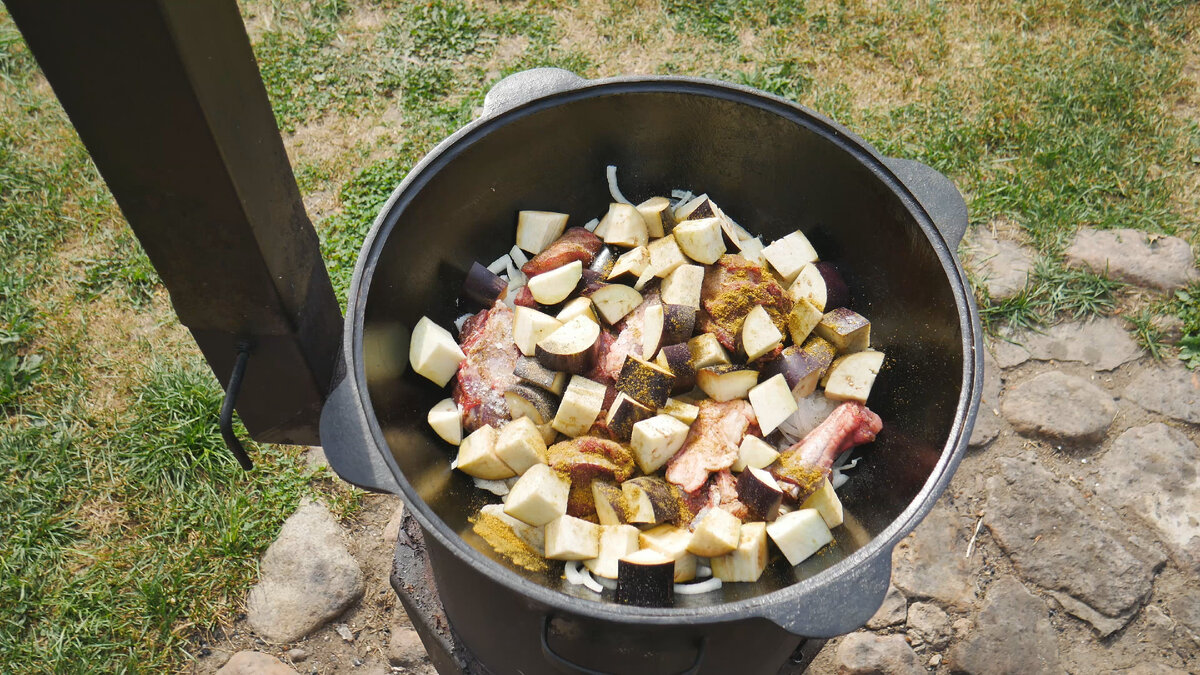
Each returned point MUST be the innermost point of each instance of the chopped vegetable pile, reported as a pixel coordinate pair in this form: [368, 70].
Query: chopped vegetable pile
[657, 395]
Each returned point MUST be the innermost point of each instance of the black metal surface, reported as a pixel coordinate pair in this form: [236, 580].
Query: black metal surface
[776, 167]
[565, 665]
[225, 422]
[167, 97]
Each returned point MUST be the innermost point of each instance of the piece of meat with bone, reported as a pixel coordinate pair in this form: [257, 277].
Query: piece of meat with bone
[575, 244]
[711, 443]
[487, 372]
[732, 287]
[807, 463]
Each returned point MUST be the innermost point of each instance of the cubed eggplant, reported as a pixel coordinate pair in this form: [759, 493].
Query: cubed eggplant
[483, 287]
[624, 226]
[800, 369]
[645, 382]
[477, 456]
[701, 240]
[683, 286]
[677, 358]
[623, 414]
[616, 542]
[446, 419]
[529, 370]
[717, 533]
[615, 301]
[678, 323]
[651, 500]
[754, 452]
[581, 403]
[530, 326]
[653, 319]
[680, 410]
[759, 334]
[525, 400]
[803, 318]
[672, 542]
[571, 348]
[665, 257]
[659, 216]
[610, 503]
[433, 353]
[760, 492]
[800, 534]
[520, 445]
[707, 351]
[698, 207]
[845, 329]
[537, 229]
[851, 377]
[789, 255]
[726, 383]
[837, 293]
[571, 538]
[748, 560]
[822, 350]
[630, 265]
[646, 578]
[772, 402]
[551, 288]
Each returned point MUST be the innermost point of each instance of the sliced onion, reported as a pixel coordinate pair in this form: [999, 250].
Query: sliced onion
[496, 487]
[589, 582]
[703, 571]
[500, 264]
[518, 256]
[572, 572]
[706, 586]
[682, 196]
[837, 478]
[590, 225]
[610, 584]
[612, 186]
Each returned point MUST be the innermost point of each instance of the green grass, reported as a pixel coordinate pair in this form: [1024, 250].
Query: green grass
[1186, 306]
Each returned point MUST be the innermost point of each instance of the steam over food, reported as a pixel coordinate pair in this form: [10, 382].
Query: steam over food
[660, 397]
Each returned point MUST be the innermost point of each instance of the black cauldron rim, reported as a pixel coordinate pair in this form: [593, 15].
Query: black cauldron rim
[859, 580]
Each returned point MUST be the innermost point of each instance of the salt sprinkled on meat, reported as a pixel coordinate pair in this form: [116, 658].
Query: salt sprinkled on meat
[487, 372]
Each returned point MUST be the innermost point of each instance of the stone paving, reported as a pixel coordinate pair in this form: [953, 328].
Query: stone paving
[1068, 541]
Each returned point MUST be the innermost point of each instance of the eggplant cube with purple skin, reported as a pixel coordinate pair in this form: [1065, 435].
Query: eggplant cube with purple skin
[610, 503]
[656, 440]
[672, 542]
[538, 497]
[530, 326]
[614, 301]
[630, 265]
[645, 382]
[526, 400]
[570, 348]
[845, 329]
[659, 216]
[801, 370]
[748, 560]
[726, 383]
[646, 578]
[577, 307]
[433, 352]
[650, 500]
[799, 534]
[701, 240]
[624, 414]
[680, 410]
[760, 492]
[571, 538]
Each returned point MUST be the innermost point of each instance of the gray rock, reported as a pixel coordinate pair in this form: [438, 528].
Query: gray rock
[255, 663]
[1059, 407]
[1153, 471]
[1012, 635]
[344, 632]
[1171, 390]
[1157, 628]
[1103, 625]
[1152, 261]
[1185, 607]
[404, 648]
[928, 622]
[297, 655]
[314, 457]
[307, 577]
[869, 654]
[988, 422]
[1102, 344]
[893, 610]
[1008, 352]
[1001, 266]
[1056, 541]
[930, 562]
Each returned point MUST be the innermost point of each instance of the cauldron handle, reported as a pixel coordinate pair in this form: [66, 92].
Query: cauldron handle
[565, 666]
[937, 194]
[843, 604]
[526, 86]
[345, 438]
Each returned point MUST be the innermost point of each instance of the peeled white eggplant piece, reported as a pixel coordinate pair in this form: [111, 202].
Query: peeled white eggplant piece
[537, 229]
[624, 226]
[571, 347]
[577, 307]
[718, 533]
[616, 542]
[539, 496]
[754, 452]
[799, 534]
[759, 334]
[845, 329]
[477, 456]
[551, 288]
[852, 376]
[581, 404]
[726, 383]
[571, 538]
[772, 402]
[630, 265]
[446, 420]
[530, 326]
[615, 301]
[520, 445]
[433, 352]
[656, 440]
[748, 560]
[701, 240]
[789, 254]
[682, 286]
[658, 215]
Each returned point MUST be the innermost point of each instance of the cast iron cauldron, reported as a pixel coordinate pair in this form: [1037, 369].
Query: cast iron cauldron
[543, 142]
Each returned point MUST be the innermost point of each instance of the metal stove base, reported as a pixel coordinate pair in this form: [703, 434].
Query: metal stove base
[412, 579]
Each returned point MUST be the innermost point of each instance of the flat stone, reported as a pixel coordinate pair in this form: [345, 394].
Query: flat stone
[1153, 471]
[1002, 267]
[314, 457]
[1059, 407]
[1100, 343]
[893, 610]
[928, 622]
[391, 531]
[869, 654]
[1056, 540]
[930, 562]
[1151, 261]
[1171, 390]
[297, 655]
[1012, 635]
[988, 422]
[255, 663]
[1103, 625]
[1184, 607]
[404, 647]
[308, 577]
[1007, 351]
